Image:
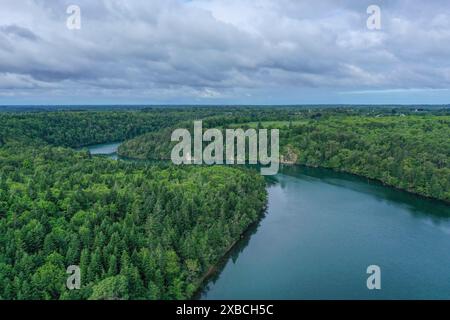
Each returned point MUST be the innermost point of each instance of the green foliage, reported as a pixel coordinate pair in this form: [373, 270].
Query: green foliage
[112, 288]
[409, 152]
[80, 128]
[137, 231]
[141, 231]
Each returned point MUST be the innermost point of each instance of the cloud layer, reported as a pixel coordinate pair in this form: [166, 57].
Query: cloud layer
[235, 51]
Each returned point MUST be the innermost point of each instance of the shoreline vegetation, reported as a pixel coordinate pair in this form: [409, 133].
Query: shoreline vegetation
[137, 231]
[214, 268]
[407, 152]
[143, 231]
[368, 179]
[291, 163]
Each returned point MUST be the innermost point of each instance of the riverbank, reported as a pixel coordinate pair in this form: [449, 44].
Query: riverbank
[294, 163]
[321, 232]
[215, 268]
[111, 150]
[317, 235]
[290, 163]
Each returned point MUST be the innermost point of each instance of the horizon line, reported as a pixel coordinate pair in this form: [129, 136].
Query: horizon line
[222, 105]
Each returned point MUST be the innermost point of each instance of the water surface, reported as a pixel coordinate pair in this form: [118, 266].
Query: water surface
[109, 149]
[321, 232]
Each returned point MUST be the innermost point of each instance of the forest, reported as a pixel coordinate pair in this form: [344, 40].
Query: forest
[143, 230]
[137, 231]
[411, 153]
[405, 149]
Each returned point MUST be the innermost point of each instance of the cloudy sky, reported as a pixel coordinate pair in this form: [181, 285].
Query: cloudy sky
[224, 52]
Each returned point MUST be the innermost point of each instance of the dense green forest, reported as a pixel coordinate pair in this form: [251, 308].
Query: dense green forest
[146, 231]
[137, 231]
[407, 151]
[410, 152]
[81, 128]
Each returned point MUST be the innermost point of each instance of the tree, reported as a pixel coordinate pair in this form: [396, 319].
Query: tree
[111, 288]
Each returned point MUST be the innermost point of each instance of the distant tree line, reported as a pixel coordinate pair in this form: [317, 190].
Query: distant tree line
[137, 231]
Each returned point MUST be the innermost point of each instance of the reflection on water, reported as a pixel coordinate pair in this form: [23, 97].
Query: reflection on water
[415, 204]
[321, 232]
[107, 149]
[232, 256]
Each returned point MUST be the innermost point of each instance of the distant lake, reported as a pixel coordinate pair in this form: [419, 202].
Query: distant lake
[109, 149]
[321, 232]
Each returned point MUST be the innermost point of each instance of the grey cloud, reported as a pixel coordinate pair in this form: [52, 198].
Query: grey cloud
[18, 32]
[220, 47]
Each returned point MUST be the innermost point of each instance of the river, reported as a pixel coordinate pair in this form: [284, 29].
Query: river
[323, 229]
[108, 149]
